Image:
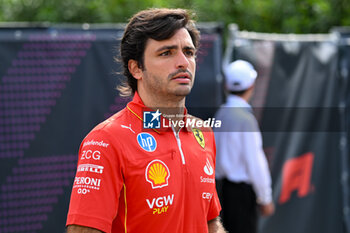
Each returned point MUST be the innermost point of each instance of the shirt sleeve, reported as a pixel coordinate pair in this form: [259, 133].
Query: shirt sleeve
[215, 207]
[257, 165]
[97, 184]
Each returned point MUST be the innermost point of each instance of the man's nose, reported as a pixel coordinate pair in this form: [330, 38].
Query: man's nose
[182, 61]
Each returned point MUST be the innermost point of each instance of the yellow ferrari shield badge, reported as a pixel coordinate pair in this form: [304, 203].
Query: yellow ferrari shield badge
[199, 137]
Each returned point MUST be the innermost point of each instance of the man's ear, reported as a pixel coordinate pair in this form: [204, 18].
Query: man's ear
[134, 69]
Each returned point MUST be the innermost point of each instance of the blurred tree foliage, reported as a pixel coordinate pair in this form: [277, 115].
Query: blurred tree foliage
[287, 16]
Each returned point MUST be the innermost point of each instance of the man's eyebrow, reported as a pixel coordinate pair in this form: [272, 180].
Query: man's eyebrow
[190, 48]
[168, 47]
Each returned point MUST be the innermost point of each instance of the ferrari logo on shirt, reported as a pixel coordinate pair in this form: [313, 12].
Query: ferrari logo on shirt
[199, 137]
[157, 174]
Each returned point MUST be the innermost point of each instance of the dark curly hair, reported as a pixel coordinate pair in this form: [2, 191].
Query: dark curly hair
[157, 24]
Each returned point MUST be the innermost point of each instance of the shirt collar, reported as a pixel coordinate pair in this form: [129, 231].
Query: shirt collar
[137, 107]
[236, 101]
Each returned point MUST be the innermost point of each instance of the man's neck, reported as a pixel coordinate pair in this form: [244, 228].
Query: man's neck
[172, 108]
[247, 95]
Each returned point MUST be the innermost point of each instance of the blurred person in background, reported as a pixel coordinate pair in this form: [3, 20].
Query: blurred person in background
[242, 169]
[137, 181]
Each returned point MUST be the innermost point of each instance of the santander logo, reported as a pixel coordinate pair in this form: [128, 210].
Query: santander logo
[208, 169]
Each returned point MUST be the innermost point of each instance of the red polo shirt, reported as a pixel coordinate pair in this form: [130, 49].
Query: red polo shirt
[134, 180]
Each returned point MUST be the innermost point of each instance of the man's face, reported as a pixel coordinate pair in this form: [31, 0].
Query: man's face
[169, 66]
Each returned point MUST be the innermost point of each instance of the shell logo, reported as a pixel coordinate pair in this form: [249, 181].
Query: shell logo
[157, 173]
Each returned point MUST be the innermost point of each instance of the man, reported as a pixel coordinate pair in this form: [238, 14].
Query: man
[131, 179]
[241, 162]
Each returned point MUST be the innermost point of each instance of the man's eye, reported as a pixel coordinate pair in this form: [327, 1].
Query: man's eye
[189, 53]
[166, 53]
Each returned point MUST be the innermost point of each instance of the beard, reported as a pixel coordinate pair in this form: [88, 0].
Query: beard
[182, 92]
[163, 87]
[183, 89]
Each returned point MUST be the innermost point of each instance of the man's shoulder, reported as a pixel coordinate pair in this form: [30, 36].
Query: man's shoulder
[191, 117]
[198, 123]
[236, 119]
[116, 125]
[112, 122]
[235, 111]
